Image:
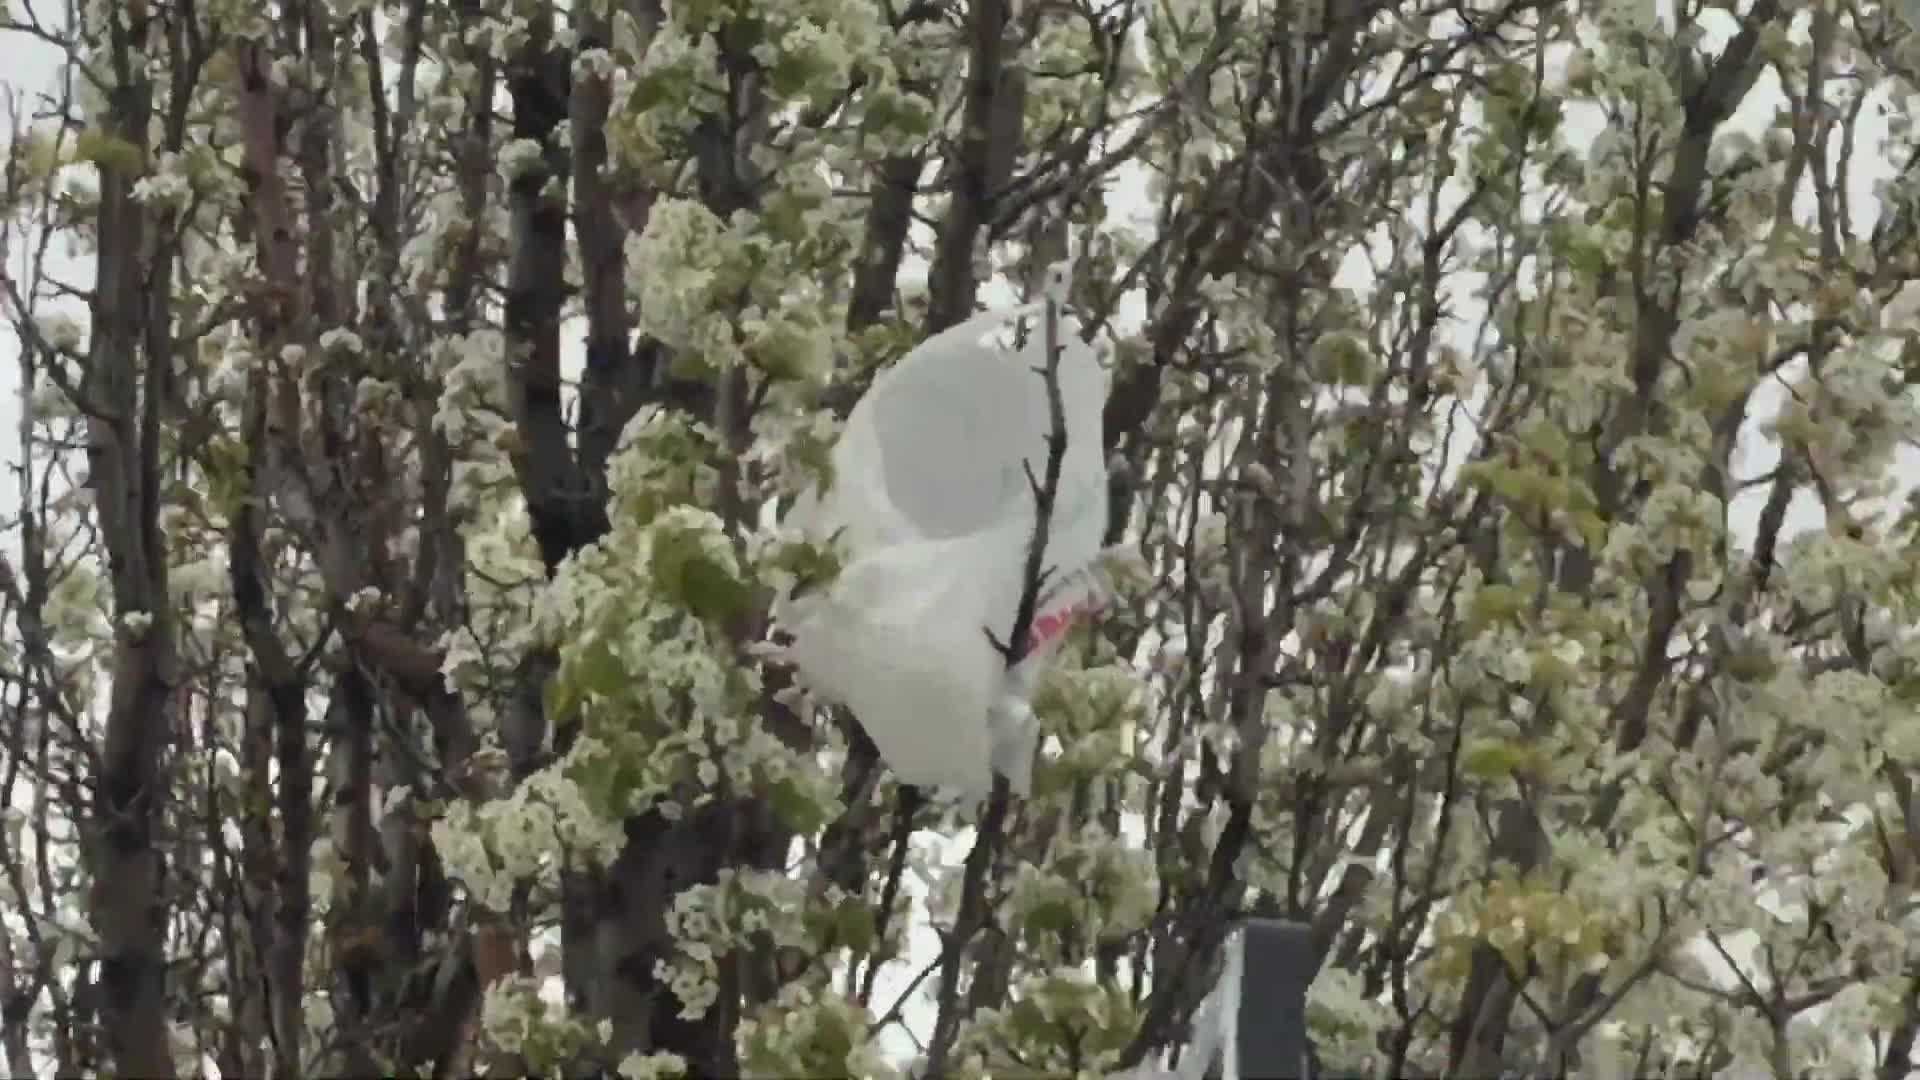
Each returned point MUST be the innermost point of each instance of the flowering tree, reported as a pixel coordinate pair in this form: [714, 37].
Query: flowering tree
[1506, 404]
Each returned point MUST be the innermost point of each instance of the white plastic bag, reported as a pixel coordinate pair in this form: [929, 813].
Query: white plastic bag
[935, 515]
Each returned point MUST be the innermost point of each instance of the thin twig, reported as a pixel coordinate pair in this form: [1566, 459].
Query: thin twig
[973, 915]
[909, 803]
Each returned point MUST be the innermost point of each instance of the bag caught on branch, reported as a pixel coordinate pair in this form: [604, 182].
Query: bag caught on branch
[932, 504]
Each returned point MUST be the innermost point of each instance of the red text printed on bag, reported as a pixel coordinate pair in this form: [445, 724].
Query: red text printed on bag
[1050, 626]
[1071, 599]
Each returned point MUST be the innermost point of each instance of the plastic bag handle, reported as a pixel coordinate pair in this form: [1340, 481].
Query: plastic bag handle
[980, 324]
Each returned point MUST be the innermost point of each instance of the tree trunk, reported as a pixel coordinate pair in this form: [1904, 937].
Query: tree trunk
[129, 905]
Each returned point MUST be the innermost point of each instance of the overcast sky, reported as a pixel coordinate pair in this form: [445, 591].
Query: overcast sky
[31, 66]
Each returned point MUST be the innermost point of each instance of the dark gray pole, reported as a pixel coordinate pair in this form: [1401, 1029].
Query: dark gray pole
[1253, 1023]
[1267, 1037]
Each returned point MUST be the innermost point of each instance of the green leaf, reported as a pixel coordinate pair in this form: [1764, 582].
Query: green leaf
[1051, 778]
[1494, 604]
[711, 592]
[796, 72]
[108, 152]
[559, 698]
[1752, 663]
[1593, 529]
[812, 565]
[854, 924]
[1544, 120]
[224, 462]
[598, 778]
[1494, 759]
[689, 366]
[598, 671]
[782, 351]
[1548, 441]
[1051, 916]
[1586, 258]
[660, 86]
[908, 114]
[1490, 759]
[686, 574]
[609, 778]
[795, 809]
[1029, 1023]
[833, 1044]
[784, 216]
[1549, 670]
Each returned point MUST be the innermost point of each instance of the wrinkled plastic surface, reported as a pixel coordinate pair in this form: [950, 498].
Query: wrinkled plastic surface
[935, 515]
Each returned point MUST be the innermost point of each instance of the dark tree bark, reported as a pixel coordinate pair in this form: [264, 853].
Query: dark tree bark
[126, 381]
